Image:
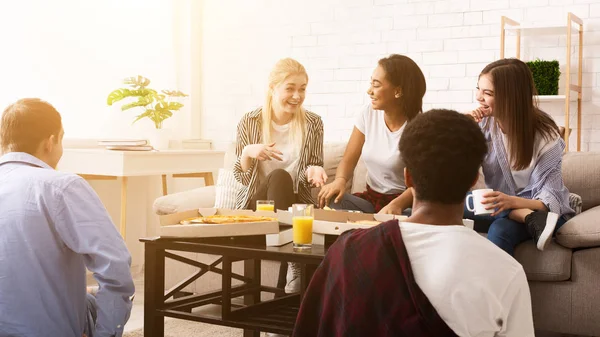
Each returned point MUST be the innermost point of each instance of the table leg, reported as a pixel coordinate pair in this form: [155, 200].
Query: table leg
[154, 285]
[307, 271]
[226, 288]
[208, 179]
[123, 222]
[252, 270]
[164, 184]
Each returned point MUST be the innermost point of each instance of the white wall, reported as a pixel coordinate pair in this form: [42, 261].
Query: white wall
[73, 53]
[340, 41]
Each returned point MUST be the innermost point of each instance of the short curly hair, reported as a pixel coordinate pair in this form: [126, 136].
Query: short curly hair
[442, 150]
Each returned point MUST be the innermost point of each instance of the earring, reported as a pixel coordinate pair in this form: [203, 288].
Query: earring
[397, 95]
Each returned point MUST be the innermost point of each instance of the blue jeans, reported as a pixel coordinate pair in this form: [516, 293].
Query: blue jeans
[350, 202]
[90, 315]
[502, 231]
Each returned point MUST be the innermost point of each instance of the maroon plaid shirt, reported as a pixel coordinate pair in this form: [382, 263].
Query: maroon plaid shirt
[378, 200]
[365, 287]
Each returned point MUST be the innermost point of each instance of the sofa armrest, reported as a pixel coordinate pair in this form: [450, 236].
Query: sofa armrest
[581, 231]
[203, 197]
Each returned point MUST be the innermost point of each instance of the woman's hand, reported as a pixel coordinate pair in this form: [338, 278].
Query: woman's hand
[262, 152]
[479, 113]
[391, 208]
[499, 202]
[337, 188]
[316, 176]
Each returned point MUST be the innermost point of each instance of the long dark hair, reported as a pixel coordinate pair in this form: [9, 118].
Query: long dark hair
[403, 72]
[516, 110]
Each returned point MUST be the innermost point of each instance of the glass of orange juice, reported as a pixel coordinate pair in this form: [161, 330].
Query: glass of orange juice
[302, 222]
[265, 205]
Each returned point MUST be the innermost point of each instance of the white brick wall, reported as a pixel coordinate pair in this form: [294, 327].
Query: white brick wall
[340, 41]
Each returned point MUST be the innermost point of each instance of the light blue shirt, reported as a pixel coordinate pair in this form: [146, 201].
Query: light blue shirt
[545, 183]
[53, 226]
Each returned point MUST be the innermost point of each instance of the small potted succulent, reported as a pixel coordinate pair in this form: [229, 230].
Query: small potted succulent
[155, 106]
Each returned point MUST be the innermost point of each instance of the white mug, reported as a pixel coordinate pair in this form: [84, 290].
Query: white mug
[477, 196]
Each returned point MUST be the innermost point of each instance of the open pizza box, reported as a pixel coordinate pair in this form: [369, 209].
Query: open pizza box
[337, 222]
[170, 225]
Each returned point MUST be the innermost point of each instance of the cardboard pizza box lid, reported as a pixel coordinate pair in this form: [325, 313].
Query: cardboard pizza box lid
[170, 224]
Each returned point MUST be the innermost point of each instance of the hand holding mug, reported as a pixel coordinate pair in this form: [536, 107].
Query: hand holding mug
[477, 197]
[498, 202]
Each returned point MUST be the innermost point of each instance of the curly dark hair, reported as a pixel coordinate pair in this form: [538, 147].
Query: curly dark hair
[442, 150]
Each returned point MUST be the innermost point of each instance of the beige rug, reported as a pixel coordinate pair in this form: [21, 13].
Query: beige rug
[182, 328]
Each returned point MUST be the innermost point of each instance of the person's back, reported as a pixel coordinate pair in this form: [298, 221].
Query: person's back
[475, 287]
[53, 227]
[431, 259]
[34, 257]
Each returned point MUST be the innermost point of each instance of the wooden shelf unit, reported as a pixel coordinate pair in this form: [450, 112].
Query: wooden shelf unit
[512, 27]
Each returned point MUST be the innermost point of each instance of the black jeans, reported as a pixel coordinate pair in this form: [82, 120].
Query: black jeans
[279, 187]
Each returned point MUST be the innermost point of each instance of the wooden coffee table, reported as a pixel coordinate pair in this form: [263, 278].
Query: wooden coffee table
[276, 316]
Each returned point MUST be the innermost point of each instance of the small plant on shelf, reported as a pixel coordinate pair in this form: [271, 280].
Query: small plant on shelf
[156, 106]
[545, 76]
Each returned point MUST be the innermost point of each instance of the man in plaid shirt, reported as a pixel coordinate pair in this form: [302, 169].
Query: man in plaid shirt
[429, 275]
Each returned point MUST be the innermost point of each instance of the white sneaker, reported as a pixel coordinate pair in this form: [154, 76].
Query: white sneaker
[292, 278]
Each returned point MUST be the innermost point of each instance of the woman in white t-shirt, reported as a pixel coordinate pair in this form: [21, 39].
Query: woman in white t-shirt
[523, 164]
[396, 91]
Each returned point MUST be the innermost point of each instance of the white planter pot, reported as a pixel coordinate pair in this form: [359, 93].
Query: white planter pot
[159, 139]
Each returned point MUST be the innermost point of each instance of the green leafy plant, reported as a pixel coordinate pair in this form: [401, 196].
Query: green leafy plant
[157, 106]
[545, 76]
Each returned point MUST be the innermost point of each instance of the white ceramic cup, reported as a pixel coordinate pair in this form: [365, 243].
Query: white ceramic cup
[477, 196]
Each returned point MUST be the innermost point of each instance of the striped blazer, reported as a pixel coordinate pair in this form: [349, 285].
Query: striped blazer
[545, 184]
[249, 131]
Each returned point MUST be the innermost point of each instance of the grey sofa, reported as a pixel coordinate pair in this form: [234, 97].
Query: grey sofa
[564, 279]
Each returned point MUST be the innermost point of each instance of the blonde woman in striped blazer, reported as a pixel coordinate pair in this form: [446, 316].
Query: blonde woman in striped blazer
[280, 145]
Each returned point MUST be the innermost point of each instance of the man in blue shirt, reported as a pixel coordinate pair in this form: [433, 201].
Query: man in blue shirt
[52, 227]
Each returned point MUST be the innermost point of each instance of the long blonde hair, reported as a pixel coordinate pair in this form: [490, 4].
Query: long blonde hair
[283, 69]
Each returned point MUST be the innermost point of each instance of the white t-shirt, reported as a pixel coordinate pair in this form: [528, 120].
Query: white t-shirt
[521, 177]
[476, 288]
[291, 155]
[380, 153]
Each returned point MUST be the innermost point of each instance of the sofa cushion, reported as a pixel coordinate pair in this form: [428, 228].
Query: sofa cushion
[553, 264]
[332, 156]
[203, 197]
[580, 171]
[359, 180]
[226, 189]
[583, 230]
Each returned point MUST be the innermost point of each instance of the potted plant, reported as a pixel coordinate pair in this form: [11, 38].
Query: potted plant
[155, 106]
[545, 76]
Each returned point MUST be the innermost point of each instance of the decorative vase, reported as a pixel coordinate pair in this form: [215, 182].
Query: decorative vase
[159, 139]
